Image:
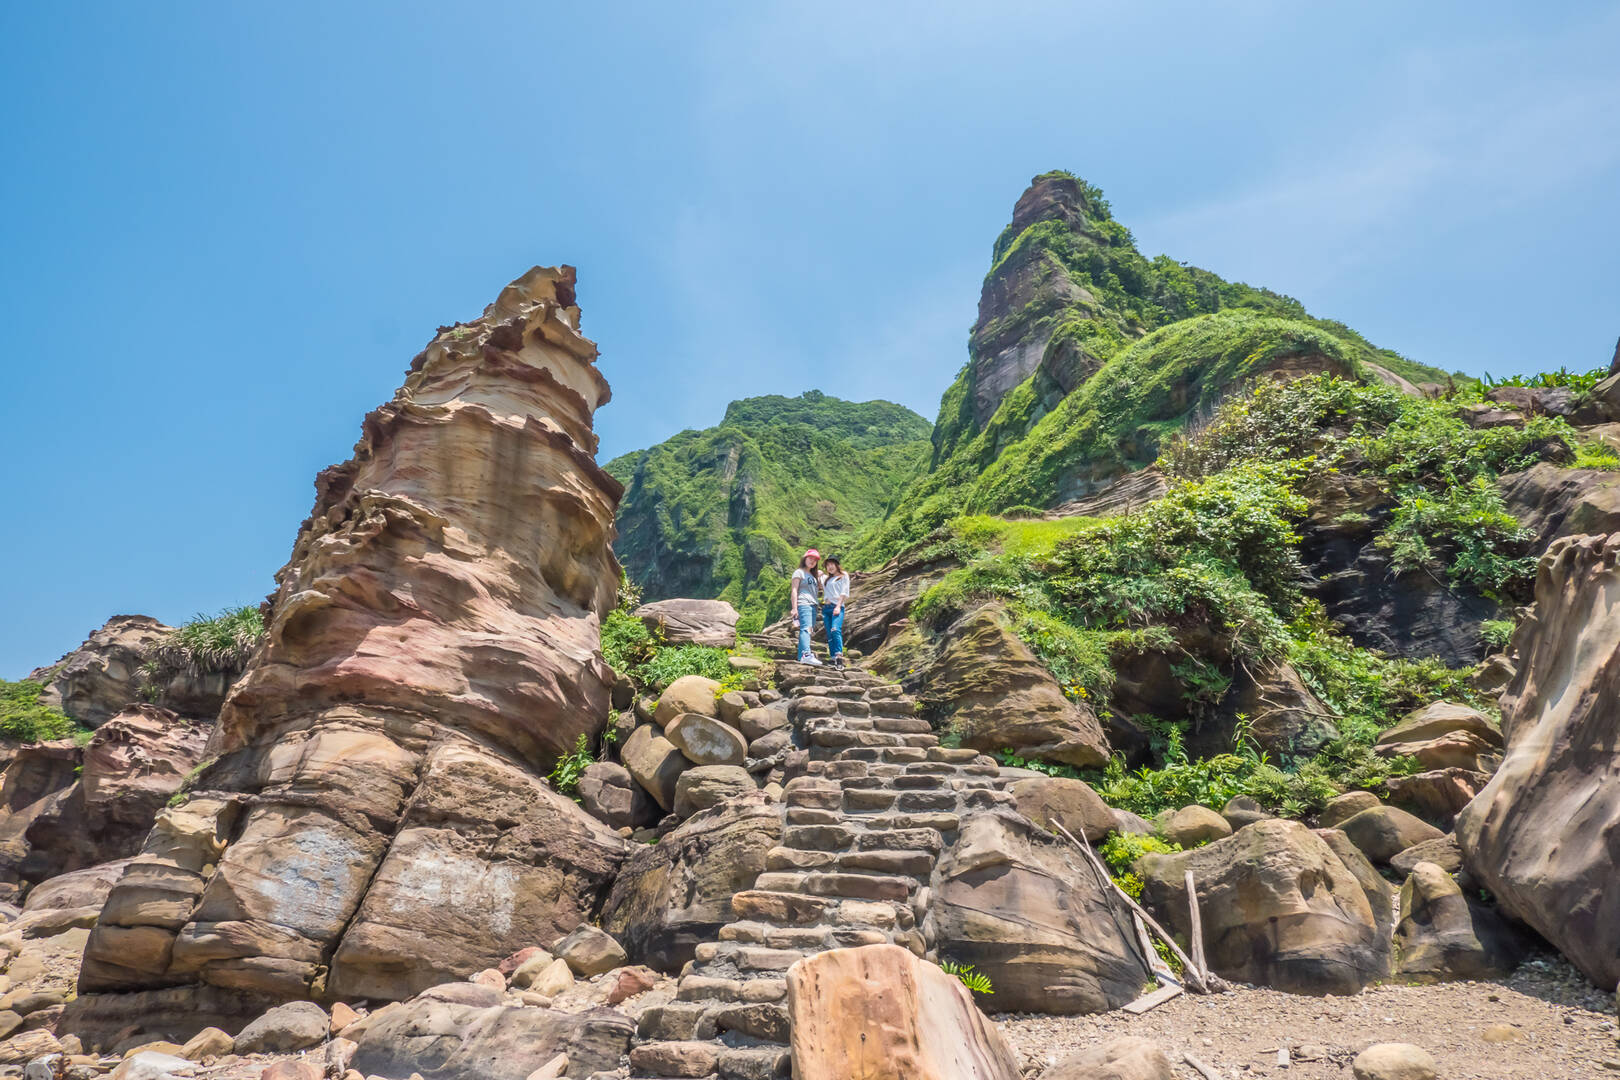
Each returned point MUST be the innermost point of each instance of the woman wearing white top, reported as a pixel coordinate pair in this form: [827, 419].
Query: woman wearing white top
[802, 596]
[834, 595]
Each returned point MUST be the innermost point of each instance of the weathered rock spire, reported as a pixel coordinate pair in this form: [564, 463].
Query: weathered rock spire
[375, 821]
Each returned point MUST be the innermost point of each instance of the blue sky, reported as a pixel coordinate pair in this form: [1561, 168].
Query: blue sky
[228, 228]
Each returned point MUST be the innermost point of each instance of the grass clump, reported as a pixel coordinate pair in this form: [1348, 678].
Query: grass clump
[637, 653]
[212, 643]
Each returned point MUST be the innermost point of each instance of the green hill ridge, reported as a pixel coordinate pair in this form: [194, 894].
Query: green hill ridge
[1087, 354]
[725, 512]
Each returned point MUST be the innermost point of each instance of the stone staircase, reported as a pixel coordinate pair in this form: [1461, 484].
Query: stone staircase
[870, 801]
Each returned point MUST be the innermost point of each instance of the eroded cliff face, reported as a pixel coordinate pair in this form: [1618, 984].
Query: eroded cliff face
[1543, 834]
[374, 819]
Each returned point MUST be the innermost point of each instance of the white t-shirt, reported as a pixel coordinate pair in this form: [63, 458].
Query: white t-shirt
[807, 583]
[835, 589]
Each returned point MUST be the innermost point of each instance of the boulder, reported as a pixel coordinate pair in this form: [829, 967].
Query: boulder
[1135, 824]
[1240, 810]
[588, 951]
[1381, 895]
[881, 1013]
[296, 1025]
[24, 1047]
[710, 785]
[1560, 779]
[1125, 1058]
[429, 654]
[981, 681]
[1437, 795]
[444, 1041]
[529, 969]
[1022, 906]
[687, 694]
[655, 763]
[87, 888]
[610, 794]
[1194, 825]
[1394, 1061]
[548, 978]
[210, 1042]
[1444, 934]
[1046, 800]
[757, 723]
[152, 1065]
[1343, 807]
[1551, 501]
[1444, 735]
[733, 704]
[691, 622]
[1279, 909]
[1442, 852]
[707, 741]
[1382, 832]
[677, 893]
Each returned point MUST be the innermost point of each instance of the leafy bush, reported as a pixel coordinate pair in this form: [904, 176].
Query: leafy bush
[1465, 528]
[627, 644]
[571, 766]
[669, 664]
[24, 719]
[1579, 381]
[1121, 850]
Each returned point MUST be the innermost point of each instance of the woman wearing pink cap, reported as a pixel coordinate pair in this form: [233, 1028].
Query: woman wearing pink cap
[804, 595]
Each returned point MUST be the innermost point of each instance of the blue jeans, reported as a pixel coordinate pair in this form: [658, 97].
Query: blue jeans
[833, 620]
[807, 623]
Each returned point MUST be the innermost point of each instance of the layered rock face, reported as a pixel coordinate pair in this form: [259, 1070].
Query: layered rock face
[94, 682]
[375, 820]
[987, 685]
[1544, 834]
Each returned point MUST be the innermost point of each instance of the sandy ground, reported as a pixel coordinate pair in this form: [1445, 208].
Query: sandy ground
[1545, 1022]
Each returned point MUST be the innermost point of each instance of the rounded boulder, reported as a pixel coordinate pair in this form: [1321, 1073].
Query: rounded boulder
[1394, 1061]
[687, 694]
[706, 741]
[1194, 825]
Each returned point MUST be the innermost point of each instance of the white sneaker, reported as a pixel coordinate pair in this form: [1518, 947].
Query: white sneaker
[810, 660]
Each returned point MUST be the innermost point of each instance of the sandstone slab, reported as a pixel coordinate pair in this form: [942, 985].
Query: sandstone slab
[881, 1013]
[707, 786]
[691, 622]
[1279, 909]
[1022, 907]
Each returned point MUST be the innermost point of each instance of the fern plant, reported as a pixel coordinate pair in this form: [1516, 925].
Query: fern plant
[974, 980]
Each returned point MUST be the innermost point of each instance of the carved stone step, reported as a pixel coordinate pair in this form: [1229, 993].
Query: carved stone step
[675, 1021]
[855, 885]
[688, 1058]
[754, 1063]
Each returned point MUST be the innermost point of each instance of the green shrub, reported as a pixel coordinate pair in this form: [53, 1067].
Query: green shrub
[1464, 528]
[24, 719]
[1579, 381]
[571, 766]
[627, 644]
[1121, 850]
[669, 664]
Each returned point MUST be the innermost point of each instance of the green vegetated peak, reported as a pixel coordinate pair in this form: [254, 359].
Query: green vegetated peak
[1087, 354]
[725, 511]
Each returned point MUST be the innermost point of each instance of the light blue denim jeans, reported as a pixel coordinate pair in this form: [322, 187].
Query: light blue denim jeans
[833, 620]
[807, 623]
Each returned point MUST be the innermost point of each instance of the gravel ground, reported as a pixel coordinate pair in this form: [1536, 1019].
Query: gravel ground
[1545, 1022]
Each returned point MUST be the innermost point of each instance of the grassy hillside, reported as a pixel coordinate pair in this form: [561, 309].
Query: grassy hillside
[1130, 349]
[726, 512]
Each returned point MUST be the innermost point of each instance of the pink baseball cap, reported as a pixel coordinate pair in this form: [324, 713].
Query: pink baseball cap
[811, 552]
